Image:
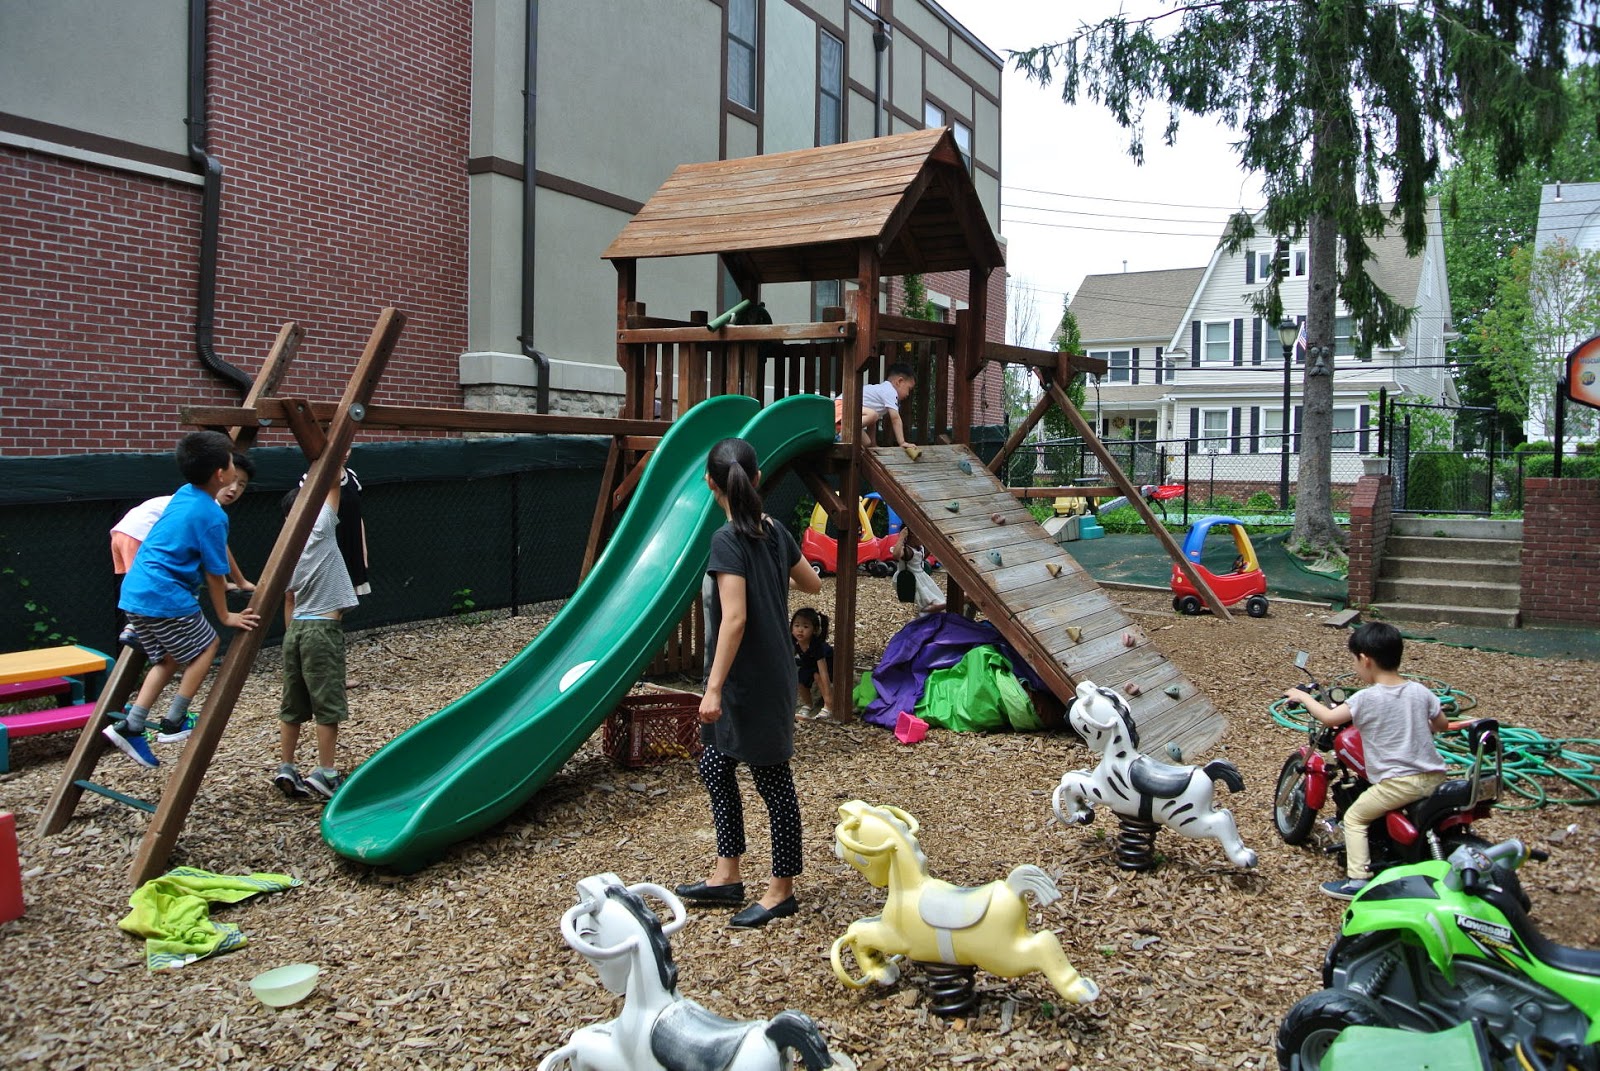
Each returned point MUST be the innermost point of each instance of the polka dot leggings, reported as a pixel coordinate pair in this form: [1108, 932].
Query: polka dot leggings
[776, 786]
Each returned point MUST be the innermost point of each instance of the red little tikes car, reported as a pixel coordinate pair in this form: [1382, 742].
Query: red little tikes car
[1245, 581]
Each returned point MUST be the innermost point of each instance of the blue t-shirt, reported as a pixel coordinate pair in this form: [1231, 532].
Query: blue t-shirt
[191, 536]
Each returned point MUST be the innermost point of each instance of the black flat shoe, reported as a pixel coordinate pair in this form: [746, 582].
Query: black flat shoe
[730, 894]
[755, 916]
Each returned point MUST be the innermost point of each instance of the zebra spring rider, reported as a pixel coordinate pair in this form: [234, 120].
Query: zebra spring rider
[1140, 791]
[947, 928]
[616, 931]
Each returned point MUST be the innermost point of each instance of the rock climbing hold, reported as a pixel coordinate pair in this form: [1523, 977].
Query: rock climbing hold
[998, 518]
[1131, 688]
[953, 507]
[913, 452]
[1174, 691]
[994, 556]
[1074, 633]
[1129, 640]
[1174, 752]
[965, 466]
[1053, 568]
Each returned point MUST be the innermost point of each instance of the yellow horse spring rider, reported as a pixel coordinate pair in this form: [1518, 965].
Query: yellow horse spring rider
[933, 922]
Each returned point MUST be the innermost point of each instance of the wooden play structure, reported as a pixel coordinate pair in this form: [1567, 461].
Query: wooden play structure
[858, 211]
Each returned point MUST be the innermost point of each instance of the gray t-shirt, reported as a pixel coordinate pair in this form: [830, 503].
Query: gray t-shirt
[321, 583]
[1395, 737]
[757, 723]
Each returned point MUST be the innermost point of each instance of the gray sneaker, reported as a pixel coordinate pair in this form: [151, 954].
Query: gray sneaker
[289, 783]
[324, 784]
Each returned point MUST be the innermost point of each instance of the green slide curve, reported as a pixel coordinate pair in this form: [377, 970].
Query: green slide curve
[476, 761]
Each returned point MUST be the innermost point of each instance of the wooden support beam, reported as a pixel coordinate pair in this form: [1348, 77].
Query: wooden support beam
[184, 784]
[307, 432]
[863, 348]
[843, 329]
[1040, 408]
[629, 482]
[830, 502]
[600, 523]
[1137, 501]
[999, 352]
[1066, 492]
[121, 684]
[271, 410]
[273, 369]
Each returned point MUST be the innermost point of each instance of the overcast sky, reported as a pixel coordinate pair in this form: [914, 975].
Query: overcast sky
[1072, 202]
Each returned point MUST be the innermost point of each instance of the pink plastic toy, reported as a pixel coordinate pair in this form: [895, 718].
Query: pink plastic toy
[908, 728]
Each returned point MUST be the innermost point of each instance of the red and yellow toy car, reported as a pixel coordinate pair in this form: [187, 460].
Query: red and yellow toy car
[1245, 581]
[873, 553]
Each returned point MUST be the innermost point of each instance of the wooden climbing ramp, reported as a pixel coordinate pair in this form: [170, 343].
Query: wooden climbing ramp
[1043, 602]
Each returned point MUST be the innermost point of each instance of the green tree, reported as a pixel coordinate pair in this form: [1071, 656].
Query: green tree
[1336, 101]
[1067, 339]
[1485, 219]
[1546, 302]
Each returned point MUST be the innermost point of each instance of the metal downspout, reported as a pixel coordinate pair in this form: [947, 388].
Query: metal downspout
[530, 185]
[210, 205]
[880, 45]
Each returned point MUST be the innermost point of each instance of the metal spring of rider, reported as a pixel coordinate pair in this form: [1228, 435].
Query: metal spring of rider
[953, 990]
[1136, 844]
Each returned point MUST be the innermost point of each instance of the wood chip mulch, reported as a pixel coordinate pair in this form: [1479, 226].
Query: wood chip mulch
[462, 965]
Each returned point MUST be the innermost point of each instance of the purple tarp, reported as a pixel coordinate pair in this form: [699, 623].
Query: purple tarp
[932, 641]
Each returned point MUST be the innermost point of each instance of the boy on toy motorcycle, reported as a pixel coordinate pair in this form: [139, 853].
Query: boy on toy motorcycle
[1397, 719]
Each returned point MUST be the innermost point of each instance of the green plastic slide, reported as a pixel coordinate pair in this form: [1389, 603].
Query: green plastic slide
[476, 761]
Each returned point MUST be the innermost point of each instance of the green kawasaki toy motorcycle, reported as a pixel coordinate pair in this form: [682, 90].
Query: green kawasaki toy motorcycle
[1435, 944]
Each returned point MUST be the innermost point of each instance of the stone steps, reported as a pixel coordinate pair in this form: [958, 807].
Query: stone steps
[1465, 571]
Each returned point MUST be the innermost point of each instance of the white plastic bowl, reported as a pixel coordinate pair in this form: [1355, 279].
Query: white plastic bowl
[283, 986]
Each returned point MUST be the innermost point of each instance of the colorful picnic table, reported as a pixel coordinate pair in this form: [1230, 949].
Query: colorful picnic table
[47, 668]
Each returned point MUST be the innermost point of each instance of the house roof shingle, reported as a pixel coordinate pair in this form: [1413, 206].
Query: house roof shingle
[1129, 305]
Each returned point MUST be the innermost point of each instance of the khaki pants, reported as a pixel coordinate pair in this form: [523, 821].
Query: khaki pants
[1372, 805]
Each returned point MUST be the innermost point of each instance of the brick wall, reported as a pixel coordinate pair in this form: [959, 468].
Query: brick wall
[342, 133]
[1561, 551]
[1370, 520]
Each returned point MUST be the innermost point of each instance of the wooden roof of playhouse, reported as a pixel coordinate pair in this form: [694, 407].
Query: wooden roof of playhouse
[799, 216]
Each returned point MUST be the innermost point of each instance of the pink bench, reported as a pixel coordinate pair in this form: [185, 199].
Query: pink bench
[35, 722]
[10, 693]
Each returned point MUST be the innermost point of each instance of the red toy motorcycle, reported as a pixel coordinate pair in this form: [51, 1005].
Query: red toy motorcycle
[1430, 828]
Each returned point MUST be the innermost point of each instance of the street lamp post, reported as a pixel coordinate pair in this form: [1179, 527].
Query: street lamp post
[1288, 332]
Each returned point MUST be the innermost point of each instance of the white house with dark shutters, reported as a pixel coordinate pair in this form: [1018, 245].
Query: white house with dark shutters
[1188, 359]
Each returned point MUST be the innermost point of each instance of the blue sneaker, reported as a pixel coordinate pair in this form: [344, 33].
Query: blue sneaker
[1343, 890]
[135, 747]
[170, 735]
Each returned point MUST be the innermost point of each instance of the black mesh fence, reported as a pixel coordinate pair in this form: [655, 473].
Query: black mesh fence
[453, 526]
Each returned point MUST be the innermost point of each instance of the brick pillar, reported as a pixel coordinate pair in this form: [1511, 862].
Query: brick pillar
[1561, 551]
[1370, 517]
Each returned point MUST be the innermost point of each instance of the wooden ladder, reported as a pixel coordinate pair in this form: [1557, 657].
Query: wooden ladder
[326, 453]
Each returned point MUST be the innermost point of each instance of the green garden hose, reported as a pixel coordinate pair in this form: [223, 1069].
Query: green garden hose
[1538, 769]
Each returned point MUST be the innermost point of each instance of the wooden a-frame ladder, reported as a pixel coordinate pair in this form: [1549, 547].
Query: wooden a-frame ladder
[326, 453]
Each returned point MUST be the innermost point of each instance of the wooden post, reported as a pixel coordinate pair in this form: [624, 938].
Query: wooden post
[863, 349]
[1014, 440]
[178, 795]
[279, 358]
[627, 290]
[1136, 500]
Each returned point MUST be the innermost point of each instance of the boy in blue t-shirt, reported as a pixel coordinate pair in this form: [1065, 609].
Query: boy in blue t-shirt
[189, 541]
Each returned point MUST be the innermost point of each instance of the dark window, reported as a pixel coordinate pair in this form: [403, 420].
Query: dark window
[825, 293]
[742, 52]
[830, 90]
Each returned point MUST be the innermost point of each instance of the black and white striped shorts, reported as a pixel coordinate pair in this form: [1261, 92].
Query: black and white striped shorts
[184, 638]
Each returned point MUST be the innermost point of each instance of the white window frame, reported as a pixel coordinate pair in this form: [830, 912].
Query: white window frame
[1126, 368]
[1351, 414]
[1223, 442]
[1344, 345]
[1271, 438]
[1301, 260]
[932, 115]
[1263, 265]
[1206, 342]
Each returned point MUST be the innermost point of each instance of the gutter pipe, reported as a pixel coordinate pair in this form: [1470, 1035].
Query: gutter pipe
[530, 185]
[880, 44]
[210, 206]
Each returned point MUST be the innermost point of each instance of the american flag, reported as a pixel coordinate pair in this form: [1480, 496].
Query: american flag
[1300, 342]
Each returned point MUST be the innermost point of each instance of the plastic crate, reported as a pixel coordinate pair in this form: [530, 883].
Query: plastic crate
[649, 729]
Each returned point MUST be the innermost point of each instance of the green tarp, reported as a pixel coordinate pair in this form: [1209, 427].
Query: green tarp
[976, 695]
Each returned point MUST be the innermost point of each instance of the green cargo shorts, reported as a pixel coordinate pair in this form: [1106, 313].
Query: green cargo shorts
[313, 673]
